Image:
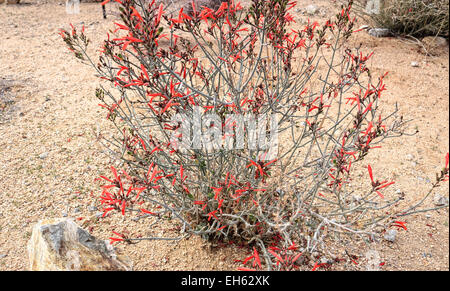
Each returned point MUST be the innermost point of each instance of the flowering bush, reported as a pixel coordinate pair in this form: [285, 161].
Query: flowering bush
[201, 100]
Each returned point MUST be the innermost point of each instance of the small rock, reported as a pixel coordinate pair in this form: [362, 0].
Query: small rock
[390, 235]
[311, 9]
[98, 214]
[76, 210]
[64, 214]
[356, 198]
[440, 200]
[414, 64]
[43, 155]
[280, 192]
[92, 208]
[2, 256]
[379, 32]
[324, 260]
[409, 157]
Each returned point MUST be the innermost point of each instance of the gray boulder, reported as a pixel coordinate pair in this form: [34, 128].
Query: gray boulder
[61, 245]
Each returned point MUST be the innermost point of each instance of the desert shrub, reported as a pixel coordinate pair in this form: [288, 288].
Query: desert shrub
[242, 129]
[416, 18]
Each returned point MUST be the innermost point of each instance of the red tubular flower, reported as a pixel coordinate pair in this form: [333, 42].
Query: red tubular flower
[145, 72]
[160, 12]
[258, 166]
[115, 239]
[245, 269]
[296, 257]
[222, 227]
[369, 168]
[377, 185]
[222, 9]
[217, 192]
[124, 203]
[220, 204]
[212, 214]
[147, 212]
[121, 26]
[279, 258]
[257, 259]
[400, 224]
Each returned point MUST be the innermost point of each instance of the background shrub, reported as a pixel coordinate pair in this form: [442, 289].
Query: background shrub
[416, 18]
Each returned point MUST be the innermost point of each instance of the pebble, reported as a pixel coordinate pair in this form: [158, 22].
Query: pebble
[76, 210]
[409, 157]
[64, 214]
[92, 208]
[324, 260]
[2, 256]
[390, 235]
[379, 32]
[440, 200]
[311, 9]
[414, 64]
[43, 155]
[356, 198]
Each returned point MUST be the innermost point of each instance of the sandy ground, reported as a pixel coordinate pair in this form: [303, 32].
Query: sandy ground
[49, 154]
